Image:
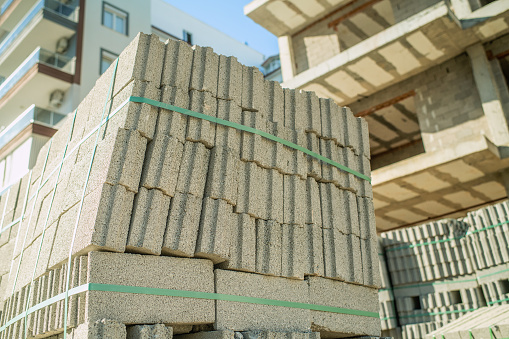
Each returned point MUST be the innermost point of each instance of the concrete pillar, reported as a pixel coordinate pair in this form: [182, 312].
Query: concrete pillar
[461, 8]
[286, 57]
[489, 93]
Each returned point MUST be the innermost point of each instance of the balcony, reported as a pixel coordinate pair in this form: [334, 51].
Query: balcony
[42, 25]
[36, 78]
[33, 115]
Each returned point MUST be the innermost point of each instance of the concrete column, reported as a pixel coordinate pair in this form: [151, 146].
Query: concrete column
[461, 8]
[489, 93]
[286, 56]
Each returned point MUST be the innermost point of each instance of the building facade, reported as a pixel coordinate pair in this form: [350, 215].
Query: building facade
[430, 77]
[53, 51]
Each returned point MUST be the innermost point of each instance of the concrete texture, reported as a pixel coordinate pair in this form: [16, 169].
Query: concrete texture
[158, 331]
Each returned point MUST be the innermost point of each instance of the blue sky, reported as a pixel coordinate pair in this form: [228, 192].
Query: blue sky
[228, 17]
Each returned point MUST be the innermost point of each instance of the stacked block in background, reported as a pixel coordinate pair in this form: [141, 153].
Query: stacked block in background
[444, 270]
[179, 201]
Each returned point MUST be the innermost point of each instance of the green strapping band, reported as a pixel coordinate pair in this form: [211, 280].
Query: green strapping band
[434, 283]
[10, 225]
[247, 129]
[185, 294]
[498, 301]
[438, 313]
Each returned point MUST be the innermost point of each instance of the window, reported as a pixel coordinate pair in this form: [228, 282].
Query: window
[188, 37]
[115, 18]
[107, 59]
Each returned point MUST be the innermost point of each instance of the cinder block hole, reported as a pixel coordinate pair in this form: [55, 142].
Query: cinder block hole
[504, 285]
[416, 303]
[456, 297]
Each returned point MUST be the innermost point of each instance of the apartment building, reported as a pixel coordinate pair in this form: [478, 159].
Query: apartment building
[430, 77]
[52, 52]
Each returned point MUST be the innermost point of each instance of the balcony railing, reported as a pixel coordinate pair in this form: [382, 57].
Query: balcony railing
[5, 6]
[32, 115]
[42, 56]
[69, 12]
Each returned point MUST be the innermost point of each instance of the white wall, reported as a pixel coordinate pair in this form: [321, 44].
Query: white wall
[174, 21]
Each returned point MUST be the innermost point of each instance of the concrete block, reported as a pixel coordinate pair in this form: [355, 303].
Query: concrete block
[250, 189]
[224, 334]
[340, 294]
[273, 200]
[339, 218]
[227, 136]
[313, 207]
[148, 221]
[353, 135]
[242, 255]
[362, 127]
[23, 196]
[310, 111]
[200, 130]
[370, 263]
[252, 89]
[244, 316]
[295, 104]
[100, 329]
[229, 81]
[293, 257]
[178, 62]
[274, 102]
[254, 147]
[294, 200]
[215, 233]
[364, 187]
[337, 265]
[366, 215]
[157, 331]
[204, 73]
[268, 247]
[182, 225]
[314, 165]
[222, 176]
[333, 127]
[171, 123]
[280, 335]
[313, 250]
[193, 169]
[152, 272]
[162, 164]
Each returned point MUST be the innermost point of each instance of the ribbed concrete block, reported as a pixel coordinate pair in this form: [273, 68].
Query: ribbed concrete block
[362, 126]
[250, 189]
[222, 176]
[311, 104]
[340, 294]
[332, 216]
[171, 123]
[193, 169]
[178, 62]
[145, 271]
[280, 335]
[244, 316]
[294, 200]
[313, 206]
[337, 265]
[242, 255]
[252, 89]
[204, 73]
[182, 225]
[100, 329]
[229, 82]
[350, 125]
[254, 147]
[313, 250]
[227, 136]
[268, 247]
[273, 104]
[215, 233]
[332, 121]
[224, 334]
[295, 104]
[273, 200]
[370, 263]
[162, 164]
[22, 196]
[314, 165]
[364, 187]
[330, 150]
[157, 331]
[292, 254]
[200, 130]
[148, 221]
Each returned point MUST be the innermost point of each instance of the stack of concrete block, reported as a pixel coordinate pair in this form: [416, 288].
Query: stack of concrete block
[156, 183]
[419, 330]
[388, 314]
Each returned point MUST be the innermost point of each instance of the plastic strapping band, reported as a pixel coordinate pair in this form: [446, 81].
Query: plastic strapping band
[492, 336]
[14, 222]
[31, 215]
[5, 209]
[438, 313]
[85, 185]
[46, 221]
[186, 294]
[470, 334]
[246, 129]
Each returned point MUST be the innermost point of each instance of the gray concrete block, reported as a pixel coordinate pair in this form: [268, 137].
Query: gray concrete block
[313, 206]
[337, 265]
[100, 329]
[366, 213]
[145, 271]
[294, 200]
[162, 164]
[254, 147]
[244, 316]
[292, 253]
[222, 176]
[333, 217]
[370, 263]
[332, 124]
[169, 122]
[313, 250]
[310, 111]
[227, 136]
[224, 334]
[268, 247]
[273, 199]
[353, 132]
[200, 130]
[229, 81]
[148, 221]
[280, 335]
[204, 73]
[274, 102]
[157, 331]
[295, 104]
[242, 255]
[250, 189]
[182, 225]
[178, 61]
[362, 126]
[215, 232]
[252, 89]
[344, 295]
[193, 169]
[314, 165]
